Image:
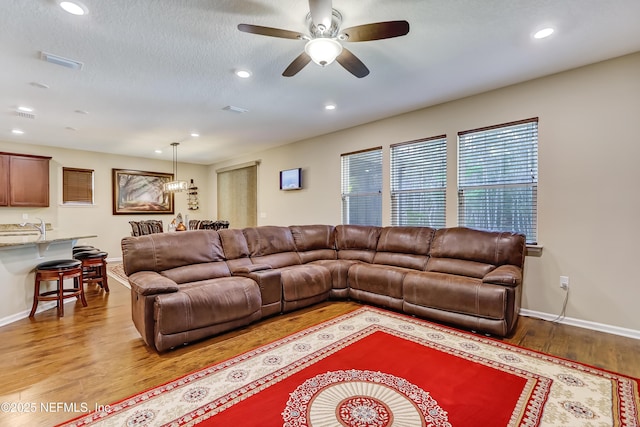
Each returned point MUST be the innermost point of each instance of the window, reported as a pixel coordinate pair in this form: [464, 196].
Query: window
[419, 182]
[498, 178]
[77, 186]
[362, 187]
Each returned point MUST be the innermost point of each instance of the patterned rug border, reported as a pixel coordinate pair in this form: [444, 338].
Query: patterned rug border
[116, 271]
[625, 413]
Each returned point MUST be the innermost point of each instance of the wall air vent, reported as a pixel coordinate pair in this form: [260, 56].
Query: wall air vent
[239, 110]
[59, 60]
[25, 115]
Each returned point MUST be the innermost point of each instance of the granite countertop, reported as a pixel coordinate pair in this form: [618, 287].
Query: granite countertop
[12, 235]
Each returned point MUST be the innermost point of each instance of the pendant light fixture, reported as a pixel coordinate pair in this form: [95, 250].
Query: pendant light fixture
[176, 185]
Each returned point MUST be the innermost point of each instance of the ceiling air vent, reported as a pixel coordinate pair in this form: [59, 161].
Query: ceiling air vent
[235, 109]
[25, 115]
[59, 60]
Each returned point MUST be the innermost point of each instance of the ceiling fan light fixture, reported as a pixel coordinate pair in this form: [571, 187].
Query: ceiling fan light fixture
[323, 51]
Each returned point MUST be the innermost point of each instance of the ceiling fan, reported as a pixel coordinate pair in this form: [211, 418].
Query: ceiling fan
[323, 44]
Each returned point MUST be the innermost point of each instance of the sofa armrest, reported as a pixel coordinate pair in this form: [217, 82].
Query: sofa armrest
[508, 275]
[151, 283]
[269, 282]
[246, 269]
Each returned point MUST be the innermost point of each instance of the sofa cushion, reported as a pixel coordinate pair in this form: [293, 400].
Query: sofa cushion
[304, 281]
[164, 251]
[496, 248]
[456, 294]
[404, 247]
[377, 279]
[314, 242]
[271, 245]
[357, 242]
[206, 303]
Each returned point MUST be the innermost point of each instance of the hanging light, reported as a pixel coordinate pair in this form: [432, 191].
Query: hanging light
[176, 185]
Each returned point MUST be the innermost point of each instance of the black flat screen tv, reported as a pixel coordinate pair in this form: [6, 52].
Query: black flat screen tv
[291, 179]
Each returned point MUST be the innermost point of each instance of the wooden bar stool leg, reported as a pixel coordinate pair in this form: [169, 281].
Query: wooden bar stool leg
[60, 285]
[36, 294]
[80, 284]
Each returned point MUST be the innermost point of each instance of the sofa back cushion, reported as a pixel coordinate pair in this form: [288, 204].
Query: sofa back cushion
[404, 247]
[166, 251]
[357, 242]
[474, 253]
[235, 248]
[271, 245]
[314, 242]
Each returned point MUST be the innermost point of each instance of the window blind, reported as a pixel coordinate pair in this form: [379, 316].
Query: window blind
[362, 187]
[419, 182]
[77, 186]
[498, 178]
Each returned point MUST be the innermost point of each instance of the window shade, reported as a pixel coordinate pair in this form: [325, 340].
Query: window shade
[77, 186]
[419, 182]
[498, 178]
[362, 187]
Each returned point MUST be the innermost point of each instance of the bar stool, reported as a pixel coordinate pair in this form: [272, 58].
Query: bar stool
[57, 271]
[94, 266]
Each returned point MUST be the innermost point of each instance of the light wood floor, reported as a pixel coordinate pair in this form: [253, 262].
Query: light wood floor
[94, 355]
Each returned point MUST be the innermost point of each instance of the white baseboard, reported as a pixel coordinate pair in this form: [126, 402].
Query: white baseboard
[24, 314]
[615, 330]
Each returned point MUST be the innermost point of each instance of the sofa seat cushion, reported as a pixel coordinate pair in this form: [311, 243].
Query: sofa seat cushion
[377, 279]
[304, 281]
[457, 294]
[206, 303]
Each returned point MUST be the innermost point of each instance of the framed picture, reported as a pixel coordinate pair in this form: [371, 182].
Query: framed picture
[139, 192]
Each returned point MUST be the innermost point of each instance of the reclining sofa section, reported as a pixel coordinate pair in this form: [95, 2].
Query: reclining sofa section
[189, 285]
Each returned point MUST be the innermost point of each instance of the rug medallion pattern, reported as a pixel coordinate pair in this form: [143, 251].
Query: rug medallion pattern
[448, 378]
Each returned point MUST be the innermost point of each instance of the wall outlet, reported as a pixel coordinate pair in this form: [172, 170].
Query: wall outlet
[25, 216]
[564, 282]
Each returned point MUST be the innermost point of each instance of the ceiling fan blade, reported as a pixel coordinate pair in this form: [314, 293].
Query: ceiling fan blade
[352, 64]
[298, 64]
[321, 12]
[269, 31]
[376, 31]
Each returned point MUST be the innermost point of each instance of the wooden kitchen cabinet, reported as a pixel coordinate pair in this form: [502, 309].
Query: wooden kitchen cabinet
[24, 180]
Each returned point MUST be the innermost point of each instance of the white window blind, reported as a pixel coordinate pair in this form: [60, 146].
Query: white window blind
[498, 178]
[362, 187]
[419, 182]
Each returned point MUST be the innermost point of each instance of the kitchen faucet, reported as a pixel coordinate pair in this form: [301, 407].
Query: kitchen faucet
[40, 227]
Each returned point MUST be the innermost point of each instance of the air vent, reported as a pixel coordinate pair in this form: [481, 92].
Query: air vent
[25, 115]
[239, 110]
[59, 60]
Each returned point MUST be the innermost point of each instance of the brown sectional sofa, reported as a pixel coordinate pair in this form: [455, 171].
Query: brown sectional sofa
[189, 285]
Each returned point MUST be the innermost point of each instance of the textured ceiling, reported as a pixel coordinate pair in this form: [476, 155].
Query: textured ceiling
[157, 70]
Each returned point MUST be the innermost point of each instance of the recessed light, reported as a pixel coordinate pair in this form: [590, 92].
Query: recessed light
[74, 7]
[195, 134]
[330, 107]
[243, 74]
[158, 151]
[17, 131]
[543, 33]
[71, 128]
[81, 112]
[25, 109]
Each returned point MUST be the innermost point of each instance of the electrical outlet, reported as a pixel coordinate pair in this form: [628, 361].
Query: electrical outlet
[25, 216]
[564, 282]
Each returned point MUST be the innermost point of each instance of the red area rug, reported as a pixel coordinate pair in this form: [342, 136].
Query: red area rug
[373, 368]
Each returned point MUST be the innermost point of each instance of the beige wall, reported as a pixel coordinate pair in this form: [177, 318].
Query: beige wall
[589, 201]
[98, 219]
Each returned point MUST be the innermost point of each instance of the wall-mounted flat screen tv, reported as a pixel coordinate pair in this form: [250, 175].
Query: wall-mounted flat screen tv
[291, 179]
